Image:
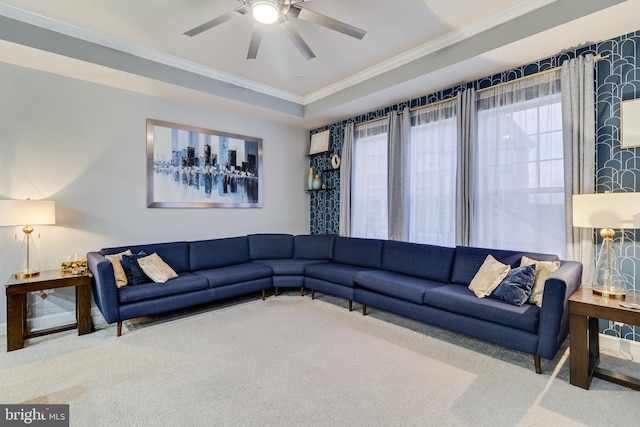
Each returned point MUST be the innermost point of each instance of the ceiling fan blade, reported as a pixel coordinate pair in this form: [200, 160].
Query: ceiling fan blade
[216, 21]
[256, 37]
[298, 11]
[296, 39]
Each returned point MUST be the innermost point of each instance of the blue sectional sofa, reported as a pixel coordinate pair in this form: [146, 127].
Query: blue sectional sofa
[422, 282]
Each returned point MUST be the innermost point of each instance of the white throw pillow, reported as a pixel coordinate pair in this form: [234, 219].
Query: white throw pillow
[118, 271]
[488, 277]
[157, 270]
[543, 270]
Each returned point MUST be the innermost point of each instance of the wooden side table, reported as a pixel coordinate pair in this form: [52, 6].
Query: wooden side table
[585, 309]
[16, 291]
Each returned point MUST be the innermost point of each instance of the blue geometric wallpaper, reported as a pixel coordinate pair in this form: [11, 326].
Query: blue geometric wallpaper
[617, 169]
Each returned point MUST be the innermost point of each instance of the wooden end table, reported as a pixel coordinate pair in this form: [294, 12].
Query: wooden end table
[585, 309]
[16, 291]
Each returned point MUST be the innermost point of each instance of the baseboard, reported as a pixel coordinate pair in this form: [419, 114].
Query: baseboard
[625, 348]
[52, 320]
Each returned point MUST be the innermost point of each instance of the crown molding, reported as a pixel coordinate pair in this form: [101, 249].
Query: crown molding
[435, 45]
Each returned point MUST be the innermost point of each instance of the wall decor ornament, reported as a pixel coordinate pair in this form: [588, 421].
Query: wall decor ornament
[335, 161]
[317, 182]
[630, 123]
[319, 142]
[310, 180]
[192, 167]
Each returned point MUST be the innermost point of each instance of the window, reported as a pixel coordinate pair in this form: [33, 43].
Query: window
[369, 181]
[519, 168]
[432, 154]
[517, 173]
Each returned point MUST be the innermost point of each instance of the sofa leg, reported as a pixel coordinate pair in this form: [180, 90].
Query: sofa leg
[264, 294]
[313, 294]
[119, 328]
[364, 310]
[301, 291]
[536, 362]
[275, 292]
[350, 305]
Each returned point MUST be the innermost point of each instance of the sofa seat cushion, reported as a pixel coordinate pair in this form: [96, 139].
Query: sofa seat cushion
[288, 267]
[335, 272]
[234, 274]
[459, 299]
[397, 285]
[184, 283]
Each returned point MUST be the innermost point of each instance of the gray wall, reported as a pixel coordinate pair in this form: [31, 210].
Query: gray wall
[84, 146]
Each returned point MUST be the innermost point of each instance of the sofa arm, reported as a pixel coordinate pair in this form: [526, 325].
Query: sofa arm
[105, 291]
[554, 314]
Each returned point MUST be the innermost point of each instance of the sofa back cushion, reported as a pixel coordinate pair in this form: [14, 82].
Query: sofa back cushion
[316, 246]
[206, 254]
[176, 254]
[358, 251]
[467, 261]
[270, 246]
[419, 260]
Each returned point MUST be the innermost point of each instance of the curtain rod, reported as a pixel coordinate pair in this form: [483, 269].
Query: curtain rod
[432, 104]
[410, 109]
[539, 73]
[377, 119]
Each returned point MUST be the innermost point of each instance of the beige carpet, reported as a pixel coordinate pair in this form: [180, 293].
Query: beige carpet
[291, 361]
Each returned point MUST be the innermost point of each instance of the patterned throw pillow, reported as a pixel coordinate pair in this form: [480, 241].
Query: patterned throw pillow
[135, 274]
[516, 287]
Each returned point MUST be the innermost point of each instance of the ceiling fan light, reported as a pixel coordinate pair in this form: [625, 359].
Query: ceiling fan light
[265, 12]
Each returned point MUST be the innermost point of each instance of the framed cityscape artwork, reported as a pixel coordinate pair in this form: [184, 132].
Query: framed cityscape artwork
[191, 167]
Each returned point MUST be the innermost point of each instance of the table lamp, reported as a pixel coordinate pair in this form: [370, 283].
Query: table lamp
[607, 211]
[29, 212]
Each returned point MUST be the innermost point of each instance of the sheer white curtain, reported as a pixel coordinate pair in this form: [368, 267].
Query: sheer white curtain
[432, 182]
[519, 187]
[369, 181]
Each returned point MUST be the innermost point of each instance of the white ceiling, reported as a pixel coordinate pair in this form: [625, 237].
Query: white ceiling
[412, 48]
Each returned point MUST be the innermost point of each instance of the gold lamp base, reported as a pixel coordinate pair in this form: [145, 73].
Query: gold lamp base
[609, 293]
[26, 274]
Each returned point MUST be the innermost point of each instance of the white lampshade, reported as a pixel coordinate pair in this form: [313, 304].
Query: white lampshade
[27, 212]
[607, 210]
[265, 12]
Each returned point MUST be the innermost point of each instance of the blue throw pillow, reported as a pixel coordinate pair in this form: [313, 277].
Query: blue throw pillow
[517, 286]
[133, 271]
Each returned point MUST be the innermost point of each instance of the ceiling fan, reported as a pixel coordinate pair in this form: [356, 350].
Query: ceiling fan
[279, 12]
